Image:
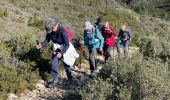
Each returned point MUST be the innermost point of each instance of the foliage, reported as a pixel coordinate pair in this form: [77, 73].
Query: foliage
[137, 79]
[97, 89]
[36, 22]
[3, 12]
[142, 77]
[156, 8]
[155, 48]
[18, 65]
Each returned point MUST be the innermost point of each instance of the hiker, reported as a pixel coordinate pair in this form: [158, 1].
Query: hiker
[94, 40]
[62, 50]
[109, 34]
[99, 23]
[124, 38]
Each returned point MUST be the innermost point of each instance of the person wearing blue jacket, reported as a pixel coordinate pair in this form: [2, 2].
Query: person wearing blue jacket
[95, 41]
[57, 35]
[124, 38]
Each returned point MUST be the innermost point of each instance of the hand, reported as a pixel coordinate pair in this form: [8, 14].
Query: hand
[80, 41]
[100, 49]
[59, 55]
[39, 46]
[108, 29]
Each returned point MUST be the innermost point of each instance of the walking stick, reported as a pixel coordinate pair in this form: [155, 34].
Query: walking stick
[81, 51]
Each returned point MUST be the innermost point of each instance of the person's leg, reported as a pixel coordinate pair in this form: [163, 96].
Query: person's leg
[54, 70]
[108, 50]
[92, 60]
[125, 45]
[118, 48]
[105, 52]
[68, 71]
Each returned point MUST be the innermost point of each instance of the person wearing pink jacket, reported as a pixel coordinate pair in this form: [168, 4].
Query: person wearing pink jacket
[109, 34]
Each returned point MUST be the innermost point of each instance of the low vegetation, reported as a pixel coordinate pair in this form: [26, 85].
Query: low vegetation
[144, 76]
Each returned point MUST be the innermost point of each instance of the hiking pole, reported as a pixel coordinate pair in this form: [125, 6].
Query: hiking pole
[113, 54]
[81, 51]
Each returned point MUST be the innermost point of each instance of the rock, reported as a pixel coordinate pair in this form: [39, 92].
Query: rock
[40, 87]
[12, 96]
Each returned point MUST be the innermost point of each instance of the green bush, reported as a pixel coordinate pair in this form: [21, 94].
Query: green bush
[18, 65]
[155, 48]
[97, 89]
[165, 54]
[11, 81]
[21, 44]
[4, 54]
[3, 12]
[146, 47]
[36, 21]
[137, 79]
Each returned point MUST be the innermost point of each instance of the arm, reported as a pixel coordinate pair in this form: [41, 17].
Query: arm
[129, 37]
[66, 42]
[46, 41]
[119, 34]
[100, 38]
[113, 31]
[85, 39]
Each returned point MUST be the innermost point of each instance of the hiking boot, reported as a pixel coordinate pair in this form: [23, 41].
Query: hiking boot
[52, 84]
[93, 74]
[47, 82]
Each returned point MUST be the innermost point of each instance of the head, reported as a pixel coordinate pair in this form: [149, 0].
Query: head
[99, 19]
[123, 27]
[106, 25]
[88, 27]
[51, 25]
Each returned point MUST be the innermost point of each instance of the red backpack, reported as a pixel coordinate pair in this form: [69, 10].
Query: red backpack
[68, 30]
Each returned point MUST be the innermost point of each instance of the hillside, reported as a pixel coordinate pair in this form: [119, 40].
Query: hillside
[145, 76]
[155, 8]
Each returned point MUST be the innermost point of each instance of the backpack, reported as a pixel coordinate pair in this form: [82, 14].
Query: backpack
[68, 31]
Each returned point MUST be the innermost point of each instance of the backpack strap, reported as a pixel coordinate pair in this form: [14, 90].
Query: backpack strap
[95, 32]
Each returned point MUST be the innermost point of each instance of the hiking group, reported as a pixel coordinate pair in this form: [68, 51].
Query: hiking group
[98, 37]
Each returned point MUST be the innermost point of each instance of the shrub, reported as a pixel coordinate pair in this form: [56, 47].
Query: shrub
[21, 44]
[11, 81]
[165, 54]
[147, 46]
[18, 65]
[36, 21]
[4, 54]
[137, 79]
[97, 89]
[3, 12]
[155, 48]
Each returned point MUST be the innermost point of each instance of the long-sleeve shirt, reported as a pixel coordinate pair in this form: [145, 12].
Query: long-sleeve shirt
[94, 39]
[60, 37]
[124, 35]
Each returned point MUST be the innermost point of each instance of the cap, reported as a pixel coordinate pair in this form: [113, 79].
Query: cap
[49, 23]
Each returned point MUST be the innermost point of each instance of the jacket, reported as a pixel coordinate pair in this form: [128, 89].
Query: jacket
[93, 40]
[124, 35]
[59, 37]
[109, 34]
